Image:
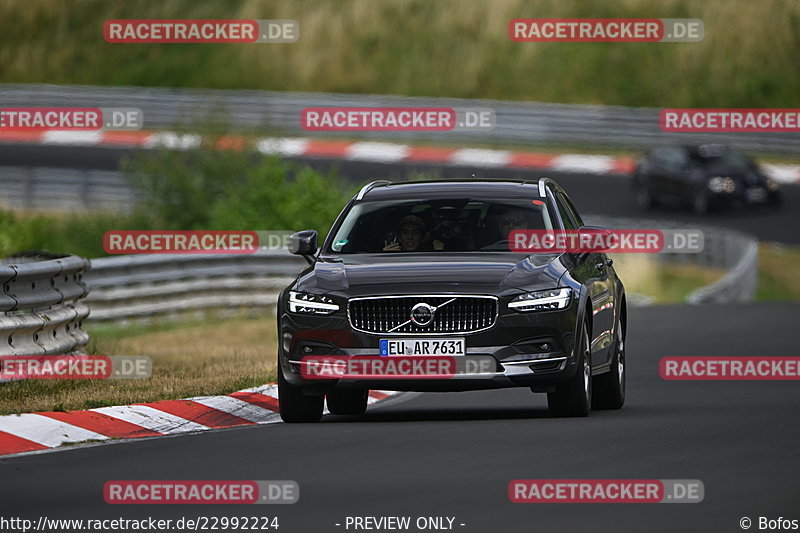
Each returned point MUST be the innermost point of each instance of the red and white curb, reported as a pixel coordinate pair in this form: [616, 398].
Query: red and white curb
[34, 432]
[377, 152]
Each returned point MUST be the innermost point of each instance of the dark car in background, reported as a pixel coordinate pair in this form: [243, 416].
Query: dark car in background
[424, 264]
[703, 177]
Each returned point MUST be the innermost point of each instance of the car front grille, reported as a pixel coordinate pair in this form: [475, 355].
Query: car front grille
[391, 314]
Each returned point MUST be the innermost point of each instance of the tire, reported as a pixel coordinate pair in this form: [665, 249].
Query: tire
[348, 402]
[776, 201]
[296, 406]
[644, 198]
[608, 390]
[574, 398]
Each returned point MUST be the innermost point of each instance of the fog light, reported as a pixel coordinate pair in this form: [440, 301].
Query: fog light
[772, 185]
[287, 342]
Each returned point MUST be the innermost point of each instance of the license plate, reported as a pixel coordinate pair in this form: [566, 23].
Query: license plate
[756, 194]
[454, 346]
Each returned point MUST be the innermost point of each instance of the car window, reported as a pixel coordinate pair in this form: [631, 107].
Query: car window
[571, 209]
[423, 225]
[671, 156]
[567, 216]
[731, 160]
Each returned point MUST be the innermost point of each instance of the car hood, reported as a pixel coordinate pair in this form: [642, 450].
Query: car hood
[383, 274]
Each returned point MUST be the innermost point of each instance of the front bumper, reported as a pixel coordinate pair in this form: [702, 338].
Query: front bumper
[533, 349]
[747, 195]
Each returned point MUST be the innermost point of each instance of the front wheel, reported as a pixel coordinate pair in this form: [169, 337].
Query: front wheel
[296, 406]
[776, 200]
[574, 398]
[348, 402]
[609, 389]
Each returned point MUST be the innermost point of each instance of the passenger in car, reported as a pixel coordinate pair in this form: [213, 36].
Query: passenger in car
[412, 236]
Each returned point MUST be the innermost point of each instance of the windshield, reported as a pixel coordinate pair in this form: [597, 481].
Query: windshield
[424, 225]
[712, 157]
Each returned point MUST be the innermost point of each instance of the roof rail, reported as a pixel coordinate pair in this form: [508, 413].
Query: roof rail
[369, 186]
[542, 184]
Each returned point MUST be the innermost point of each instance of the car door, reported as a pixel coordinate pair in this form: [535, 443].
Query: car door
[675, 169]
[593, 272]
[659, 167]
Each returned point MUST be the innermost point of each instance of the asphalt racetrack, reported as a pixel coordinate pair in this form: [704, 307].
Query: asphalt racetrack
[454, 454]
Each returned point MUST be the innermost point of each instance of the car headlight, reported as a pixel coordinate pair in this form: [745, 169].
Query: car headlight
[542, 300]
[311, 304]
[772, 185]
[722, 184]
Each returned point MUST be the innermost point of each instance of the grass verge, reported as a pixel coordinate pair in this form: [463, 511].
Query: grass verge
[664, 283]
[747, 58]
[778, 272]
[195, 358]
[778, 275]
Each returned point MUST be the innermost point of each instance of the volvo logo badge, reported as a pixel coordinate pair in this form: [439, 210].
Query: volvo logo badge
[422, 314]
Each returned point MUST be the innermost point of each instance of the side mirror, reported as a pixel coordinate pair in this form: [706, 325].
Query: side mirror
[592, 234]
[594, 230]
[304, 243]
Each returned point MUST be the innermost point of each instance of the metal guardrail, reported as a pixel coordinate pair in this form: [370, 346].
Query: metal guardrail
[279, 112]
[42, 306]
[732, 251]
[741, 281]
[139, 286]
[44, 188]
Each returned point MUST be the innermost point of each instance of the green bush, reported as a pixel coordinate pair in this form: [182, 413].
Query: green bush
[74, 234]
[233, 190]
[202, 189]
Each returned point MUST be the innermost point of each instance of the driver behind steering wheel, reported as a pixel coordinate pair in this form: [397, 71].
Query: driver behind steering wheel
[510, 220]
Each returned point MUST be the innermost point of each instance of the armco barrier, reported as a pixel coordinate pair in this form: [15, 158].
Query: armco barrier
[741, 281]
[53, 188]
[140, 286]
[279, 113]
[732, 251]
[42, 305]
